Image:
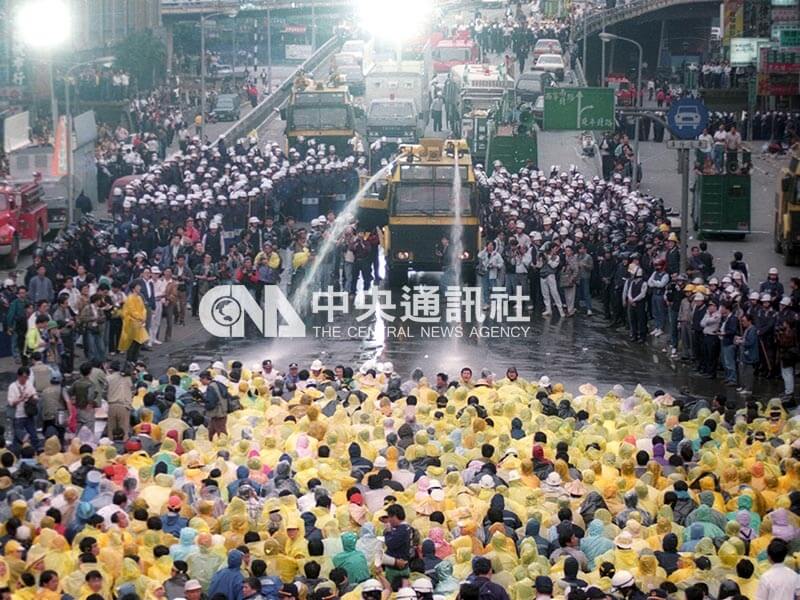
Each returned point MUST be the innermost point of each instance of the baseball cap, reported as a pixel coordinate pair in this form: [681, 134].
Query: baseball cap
[192, 584]
[174, 502]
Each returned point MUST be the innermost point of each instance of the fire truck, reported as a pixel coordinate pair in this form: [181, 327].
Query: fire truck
[624, 90]
[451, 52]
[23, 219]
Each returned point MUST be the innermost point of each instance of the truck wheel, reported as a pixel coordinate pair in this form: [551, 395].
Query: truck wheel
[788, 255]
[398, 276]
[10, 260]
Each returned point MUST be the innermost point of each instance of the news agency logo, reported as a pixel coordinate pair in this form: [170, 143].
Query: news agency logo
[223, 309]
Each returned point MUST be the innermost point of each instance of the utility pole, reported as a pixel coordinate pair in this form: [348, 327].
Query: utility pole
[602, 62]
[683, 155]
[313, 26]
[202, 78]
[269, 53]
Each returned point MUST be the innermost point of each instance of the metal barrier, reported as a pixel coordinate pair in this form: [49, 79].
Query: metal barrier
[268, 105]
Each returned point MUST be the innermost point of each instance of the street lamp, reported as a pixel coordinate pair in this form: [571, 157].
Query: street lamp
[45, 25]
[606, 37]
[203, 18]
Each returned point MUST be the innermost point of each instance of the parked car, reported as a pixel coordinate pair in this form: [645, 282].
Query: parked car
[532, 84]
[552, 63]
[547, 46]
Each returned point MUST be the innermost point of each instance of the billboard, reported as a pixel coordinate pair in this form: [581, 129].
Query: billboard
[744, 51]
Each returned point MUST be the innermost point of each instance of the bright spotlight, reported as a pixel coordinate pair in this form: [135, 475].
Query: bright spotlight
[43, 23]
[394, 20]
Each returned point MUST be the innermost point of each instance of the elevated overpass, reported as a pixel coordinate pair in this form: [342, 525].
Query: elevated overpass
[655, 24]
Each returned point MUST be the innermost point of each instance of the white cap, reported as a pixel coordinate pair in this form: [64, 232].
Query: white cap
[766, 298]
[773, 271]
[406, 593]
[253, 220]
[380, 462]
[786, 301]
[371, 585]
[423, 585]
[194, 368]
[316, 365]
[388, 367]
[218, 365]
[753, 296]
[544, 381]
[155, 270]
[622, 579]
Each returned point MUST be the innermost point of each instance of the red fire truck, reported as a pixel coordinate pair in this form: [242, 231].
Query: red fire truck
[23, 219]
[450, 52]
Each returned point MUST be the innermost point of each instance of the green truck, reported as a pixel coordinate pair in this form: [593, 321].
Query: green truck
[512, 148]
[721, 205]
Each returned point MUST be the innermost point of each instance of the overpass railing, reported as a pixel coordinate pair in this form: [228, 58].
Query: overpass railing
[604, 18]
[265, 109]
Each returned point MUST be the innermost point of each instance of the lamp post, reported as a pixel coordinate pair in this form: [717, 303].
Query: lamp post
[607, 37]
[203, 18]
[45, 25]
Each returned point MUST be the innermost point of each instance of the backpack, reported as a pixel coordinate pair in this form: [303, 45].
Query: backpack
[233, 403]
[212, 400]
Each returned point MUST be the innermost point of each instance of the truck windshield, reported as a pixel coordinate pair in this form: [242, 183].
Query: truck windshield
[332, 117]
[391, 110]
[429, 199]
[447, 54]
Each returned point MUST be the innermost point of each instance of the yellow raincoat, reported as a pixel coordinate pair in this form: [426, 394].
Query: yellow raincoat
[134, 315]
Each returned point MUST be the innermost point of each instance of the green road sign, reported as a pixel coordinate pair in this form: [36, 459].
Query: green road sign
[578, 108]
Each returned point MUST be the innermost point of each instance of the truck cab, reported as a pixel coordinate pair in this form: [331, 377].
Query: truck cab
[396, 96]
[325, 113]
[483, 93]
[23, 219]
[420, 207]
[448, 53]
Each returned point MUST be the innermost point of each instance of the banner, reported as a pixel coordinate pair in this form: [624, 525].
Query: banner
[58, 167]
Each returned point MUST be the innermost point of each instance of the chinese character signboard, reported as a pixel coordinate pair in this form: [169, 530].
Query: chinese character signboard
[579, 108]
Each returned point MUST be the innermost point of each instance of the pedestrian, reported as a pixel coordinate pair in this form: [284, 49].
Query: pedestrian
[22, 397]
[779, 582]
[748, 354]
[120, 398]
[216, 405]
[134, 323]
[84, 397]
[437, 106]
[635, 300]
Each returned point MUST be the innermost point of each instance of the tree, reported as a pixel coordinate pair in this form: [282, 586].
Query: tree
[144, 56]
